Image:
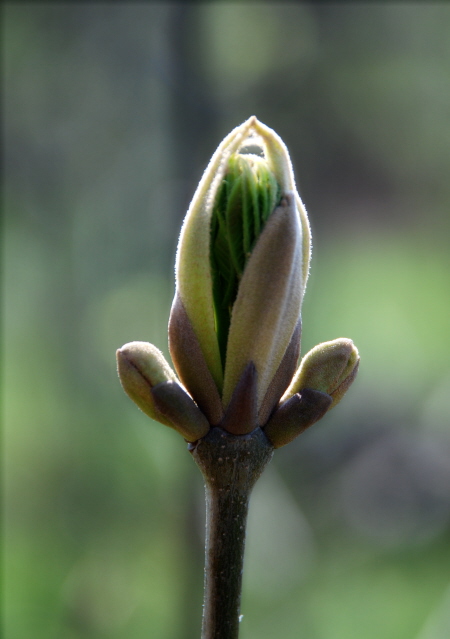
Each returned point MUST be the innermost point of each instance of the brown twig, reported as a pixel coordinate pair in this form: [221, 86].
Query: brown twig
[230, 464]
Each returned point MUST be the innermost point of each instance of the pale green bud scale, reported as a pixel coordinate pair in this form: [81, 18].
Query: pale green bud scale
[141, 366]
[193, 265]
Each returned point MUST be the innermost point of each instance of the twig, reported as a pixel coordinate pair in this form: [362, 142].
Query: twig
[230, 464]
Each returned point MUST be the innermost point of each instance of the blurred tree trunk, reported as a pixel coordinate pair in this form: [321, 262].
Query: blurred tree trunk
[194, 115]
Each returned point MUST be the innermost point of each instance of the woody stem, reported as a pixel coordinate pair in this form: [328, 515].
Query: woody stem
[230, 464]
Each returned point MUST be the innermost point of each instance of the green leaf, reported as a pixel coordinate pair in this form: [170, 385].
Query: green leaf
[249, 193]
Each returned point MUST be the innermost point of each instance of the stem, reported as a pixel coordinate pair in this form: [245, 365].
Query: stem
[230, 464]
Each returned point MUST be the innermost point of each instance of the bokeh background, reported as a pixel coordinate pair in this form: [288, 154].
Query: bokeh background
[111, 112]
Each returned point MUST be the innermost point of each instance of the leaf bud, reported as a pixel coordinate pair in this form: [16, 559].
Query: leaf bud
[241, 269]
[329, 367]
[150, 382]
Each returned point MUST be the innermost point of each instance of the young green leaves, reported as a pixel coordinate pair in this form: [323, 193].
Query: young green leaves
[247, 196]
[234, 329]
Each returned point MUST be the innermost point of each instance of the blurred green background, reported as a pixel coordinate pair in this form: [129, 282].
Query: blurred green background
[111, 113]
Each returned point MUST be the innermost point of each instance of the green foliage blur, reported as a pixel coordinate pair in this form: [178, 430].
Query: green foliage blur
[111, 113]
